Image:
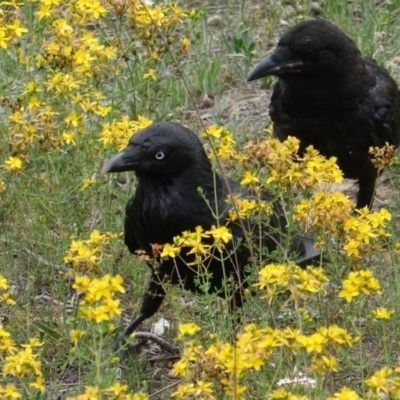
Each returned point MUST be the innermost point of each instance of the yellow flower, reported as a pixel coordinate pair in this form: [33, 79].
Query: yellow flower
[112, 307]
[184, 45]
[73, 119]
[214, 131]
[4, 38]
[382, 313]
[117, 390]
[380, 380]
[63, 28]
[310, 280]
[3, 283]
[95, 8]
[13, 164]
[221, 233]
[357, 282]
[136, 396]
[34, 103]
[17, 28]
[7, 298]
[86, 183]
[352, 248]
[336, 335]
[184, 390]
[315, 342]
[170, 250]
[189, 329]
[75, 335]
[151, 74]
[6, 343]
[81, 284]
[345, 394]
[9, 392]
[68, 138]
[38, 384]
[22, 364]
[31, 88]
[249, 179]
[205, 389]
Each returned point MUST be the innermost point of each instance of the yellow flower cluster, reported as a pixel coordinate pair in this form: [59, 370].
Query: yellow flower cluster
[222, 141]
[10, 27]
[99, 303]
[345, 394]
[85, 255]
[325, 213]
[5, 295]
[225, 365]
[117, 391]
[385, 383]
[279, 164]
[71, 59]
[282, 394]
[21, 365]
[118, 133]
[195, 244]
[309, 171]
[300, 283]
[364, 232]
[155, 25]
[149, 16]
[359, 282]
[330, 216]
[249, 208]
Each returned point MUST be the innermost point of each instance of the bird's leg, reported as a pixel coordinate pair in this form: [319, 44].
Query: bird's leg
[366, 186]
[152, 300]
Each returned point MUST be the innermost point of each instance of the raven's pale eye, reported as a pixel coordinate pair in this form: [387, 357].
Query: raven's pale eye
[160, 155]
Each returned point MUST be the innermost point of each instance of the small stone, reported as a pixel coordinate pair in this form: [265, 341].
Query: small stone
[316, 8]
[207, 101]
[214, 20]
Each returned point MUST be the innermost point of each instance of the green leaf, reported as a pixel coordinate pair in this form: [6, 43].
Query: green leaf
[48, 330]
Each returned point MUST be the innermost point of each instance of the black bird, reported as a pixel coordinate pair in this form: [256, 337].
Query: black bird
[171, 165]
[329, 96]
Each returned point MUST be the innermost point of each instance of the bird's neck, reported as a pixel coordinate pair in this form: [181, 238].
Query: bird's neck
[201, 188]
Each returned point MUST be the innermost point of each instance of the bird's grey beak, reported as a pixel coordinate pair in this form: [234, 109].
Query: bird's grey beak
[281, 61]
[124, 161]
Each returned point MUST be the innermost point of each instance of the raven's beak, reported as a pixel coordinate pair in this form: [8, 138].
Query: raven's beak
[124, 161]
[281, 61]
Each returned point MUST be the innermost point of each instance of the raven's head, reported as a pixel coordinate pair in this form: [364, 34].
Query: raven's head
[314, 48]
[163, 148]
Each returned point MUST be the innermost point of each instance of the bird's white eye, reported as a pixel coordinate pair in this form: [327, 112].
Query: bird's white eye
[160, 155]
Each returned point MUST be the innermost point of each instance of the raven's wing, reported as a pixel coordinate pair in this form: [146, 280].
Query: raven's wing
[384, 100]
[130, 238]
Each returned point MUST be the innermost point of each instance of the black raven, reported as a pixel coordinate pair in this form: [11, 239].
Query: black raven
[171, 166]
[329, 96]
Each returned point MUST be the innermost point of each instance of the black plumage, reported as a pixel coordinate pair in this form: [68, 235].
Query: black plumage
[329, 96]
[171, 165]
